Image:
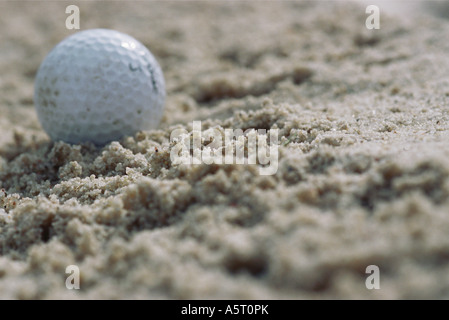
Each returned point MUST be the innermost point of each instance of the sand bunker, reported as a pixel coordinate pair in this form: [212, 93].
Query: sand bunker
[363, 175]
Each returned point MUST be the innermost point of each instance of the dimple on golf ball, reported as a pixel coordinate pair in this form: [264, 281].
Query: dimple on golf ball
[99, 85]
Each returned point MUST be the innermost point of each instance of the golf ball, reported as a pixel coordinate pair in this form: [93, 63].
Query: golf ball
[98, 85]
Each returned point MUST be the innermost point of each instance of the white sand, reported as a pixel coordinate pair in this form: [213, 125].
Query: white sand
[363, 173]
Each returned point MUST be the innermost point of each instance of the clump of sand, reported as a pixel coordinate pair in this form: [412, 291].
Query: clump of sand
[363, 174]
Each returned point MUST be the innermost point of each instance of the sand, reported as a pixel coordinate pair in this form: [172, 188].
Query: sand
[363, 175]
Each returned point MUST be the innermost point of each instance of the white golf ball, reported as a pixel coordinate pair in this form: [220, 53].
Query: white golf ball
[99, 85]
